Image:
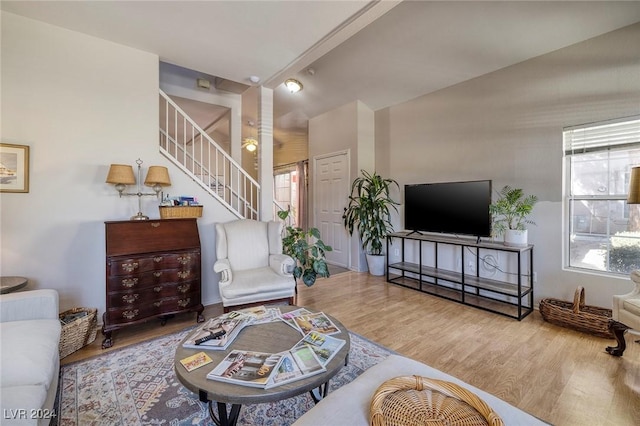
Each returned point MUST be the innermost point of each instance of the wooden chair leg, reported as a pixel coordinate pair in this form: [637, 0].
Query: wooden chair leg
[618, 329]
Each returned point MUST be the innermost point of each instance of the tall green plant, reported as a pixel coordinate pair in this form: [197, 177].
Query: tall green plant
[307, 249]
[511, 209]
[368, 210]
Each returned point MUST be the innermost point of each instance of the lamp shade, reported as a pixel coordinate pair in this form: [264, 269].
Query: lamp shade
[121, 174]
[157, 175]
[634, 186]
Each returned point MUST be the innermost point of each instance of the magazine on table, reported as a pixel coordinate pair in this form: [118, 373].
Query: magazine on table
[218, 333]
[245, 368]
[262, 314]
[192, 362]
[265, 370]
[324, 346]
[295, 364]
[288, 317]
[315, 322]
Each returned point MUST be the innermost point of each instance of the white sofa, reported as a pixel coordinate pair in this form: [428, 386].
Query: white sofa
[29, 356]
[349, 405]
[252, 266]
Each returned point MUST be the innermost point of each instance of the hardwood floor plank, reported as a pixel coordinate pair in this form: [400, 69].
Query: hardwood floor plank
[559, 375]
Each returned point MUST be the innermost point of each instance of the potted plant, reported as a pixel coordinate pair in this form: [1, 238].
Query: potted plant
[307, 249]
[368, 212]
[510, 212]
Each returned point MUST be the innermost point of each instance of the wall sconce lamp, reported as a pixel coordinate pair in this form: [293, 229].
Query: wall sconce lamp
[293, 85]
[122, 175]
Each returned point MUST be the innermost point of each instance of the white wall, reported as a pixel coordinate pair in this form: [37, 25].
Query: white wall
[80, 103]
[507, 126]
[349, 127]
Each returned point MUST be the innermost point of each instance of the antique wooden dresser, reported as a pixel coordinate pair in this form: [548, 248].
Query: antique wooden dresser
[153, 271]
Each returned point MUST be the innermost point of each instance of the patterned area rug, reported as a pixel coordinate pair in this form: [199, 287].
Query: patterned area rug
[136, 385]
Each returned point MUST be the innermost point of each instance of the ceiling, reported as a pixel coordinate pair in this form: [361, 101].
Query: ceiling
[379, 52]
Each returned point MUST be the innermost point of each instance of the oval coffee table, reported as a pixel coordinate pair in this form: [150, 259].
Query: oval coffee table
[270, 338]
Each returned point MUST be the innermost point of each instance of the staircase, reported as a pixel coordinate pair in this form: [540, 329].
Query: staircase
[192, 150]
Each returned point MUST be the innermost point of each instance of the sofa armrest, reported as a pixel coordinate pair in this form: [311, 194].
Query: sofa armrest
[28, 305]
[282, 264]
[223, 267]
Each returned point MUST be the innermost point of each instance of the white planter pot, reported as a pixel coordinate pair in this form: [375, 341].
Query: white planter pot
[376, 264]
[515, 238]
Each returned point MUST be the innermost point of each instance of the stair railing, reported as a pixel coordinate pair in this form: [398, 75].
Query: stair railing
[192, 150]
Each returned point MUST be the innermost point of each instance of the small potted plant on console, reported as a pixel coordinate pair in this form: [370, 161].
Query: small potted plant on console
[368, 212]
[510, 212]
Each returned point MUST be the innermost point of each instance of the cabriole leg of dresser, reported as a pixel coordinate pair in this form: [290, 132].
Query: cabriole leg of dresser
[200, 317]
[107, 342]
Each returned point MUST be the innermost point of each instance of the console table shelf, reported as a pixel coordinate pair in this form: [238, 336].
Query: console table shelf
[512, 299]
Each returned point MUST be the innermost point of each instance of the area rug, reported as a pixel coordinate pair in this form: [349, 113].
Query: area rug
[137, 385]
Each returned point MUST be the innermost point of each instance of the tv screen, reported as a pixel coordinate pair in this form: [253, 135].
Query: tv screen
[449, 207]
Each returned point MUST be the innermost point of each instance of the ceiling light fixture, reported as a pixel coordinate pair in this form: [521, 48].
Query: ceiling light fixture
[293, 85]
[250, 144]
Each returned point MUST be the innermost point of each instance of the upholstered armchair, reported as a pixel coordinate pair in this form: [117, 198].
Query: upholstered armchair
[252, 267]
[626, 315]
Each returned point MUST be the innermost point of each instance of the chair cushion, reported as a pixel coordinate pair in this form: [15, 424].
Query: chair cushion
[632, 305]
[20, 404]
[247, 244]
[257, 281]
[31, 358]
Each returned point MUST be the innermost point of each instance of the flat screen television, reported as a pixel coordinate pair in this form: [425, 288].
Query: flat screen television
[449, 207]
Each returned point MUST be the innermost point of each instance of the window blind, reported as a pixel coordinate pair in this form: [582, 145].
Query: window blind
[601, 136]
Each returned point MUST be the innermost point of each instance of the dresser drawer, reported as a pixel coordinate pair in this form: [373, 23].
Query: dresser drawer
[134, 265]
[160, 291]
[133, 313]
[151, 279]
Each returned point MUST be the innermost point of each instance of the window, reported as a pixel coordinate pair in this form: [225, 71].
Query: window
[603, 230]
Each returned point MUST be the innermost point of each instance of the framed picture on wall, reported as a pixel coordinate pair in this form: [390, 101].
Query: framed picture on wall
[14, 168]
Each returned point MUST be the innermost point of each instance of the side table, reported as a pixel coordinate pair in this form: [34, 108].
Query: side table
[10, 284]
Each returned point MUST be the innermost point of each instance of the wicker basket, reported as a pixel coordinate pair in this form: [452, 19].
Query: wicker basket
[576, 315]
[180, 212]
[79, 332]
[415, 400]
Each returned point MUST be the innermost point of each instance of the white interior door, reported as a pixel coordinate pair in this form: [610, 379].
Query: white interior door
[331, 190]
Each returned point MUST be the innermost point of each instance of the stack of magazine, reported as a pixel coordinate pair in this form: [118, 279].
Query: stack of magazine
[306, 358]
[218, 333]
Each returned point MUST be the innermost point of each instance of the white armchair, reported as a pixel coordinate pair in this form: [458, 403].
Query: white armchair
[252, 267]
[626, 315]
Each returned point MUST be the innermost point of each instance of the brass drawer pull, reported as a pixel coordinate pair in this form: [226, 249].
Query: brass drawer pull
[155, 224]
[129, 282]
[157, 304]
[184, 259]
[157, 259]
[130, 314]
[184, 288]
[184, 274]
[157, 274]
[130, 267]
[130, 298]
[184, 302]
[157, 289]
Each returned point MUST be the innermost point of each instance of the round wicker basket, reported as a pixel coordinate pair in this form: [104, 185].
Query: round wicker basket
[416, 400]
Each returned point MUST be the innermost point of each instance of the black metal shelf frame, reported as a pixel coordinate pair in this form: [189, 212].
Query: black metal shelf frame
[514, 300]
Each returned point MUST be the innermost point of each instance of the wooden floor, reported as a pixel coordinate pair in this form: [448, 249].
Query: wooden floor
[560, 376]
